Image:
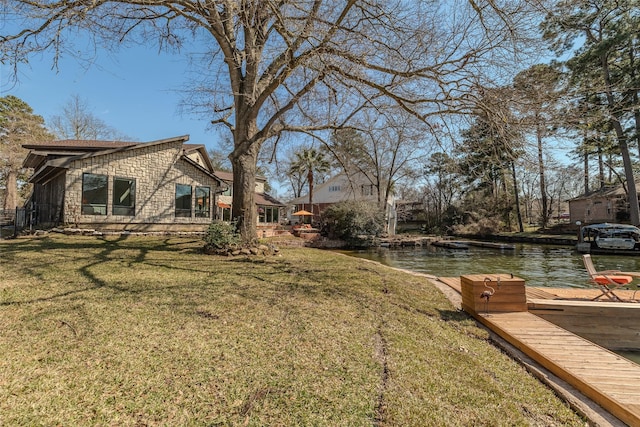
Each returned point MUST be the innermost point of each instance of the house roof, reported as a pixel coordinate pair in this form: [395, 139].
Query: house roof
[191, 148]
[44, 150]
[267, 200]
[605, 192]
[225, 176]
[52, 157]
[77, 144]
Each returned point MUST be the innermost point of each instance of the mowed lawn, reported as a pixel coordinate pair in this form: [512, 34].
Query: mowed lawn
[149, 331]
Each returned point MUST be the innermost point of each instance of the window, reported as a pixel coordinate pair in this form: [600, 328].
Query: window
[226, 214]
[268, 214]
[228, 191]
[183, 200]
[366, 189]
[94, 194]
[124, 196]
[334, 188]
[203, 200]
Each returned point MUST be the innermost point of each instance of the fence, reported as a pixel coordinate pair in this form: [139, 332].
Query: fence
[16, 220]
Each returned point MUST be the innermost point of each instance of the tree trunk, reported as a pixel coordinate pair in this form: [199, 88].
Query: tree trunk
[310, 181]
[11, 196]
[634, 209]
[601, 178]
[624, 147]
[586, 166]
[544, 218]
[244, 209]
[517, 197]
[634, 97]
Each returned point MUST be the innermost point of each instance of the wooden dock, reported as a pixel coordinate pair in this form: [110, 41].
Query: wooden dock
[608, 379]
[491, 245]
[451, 244]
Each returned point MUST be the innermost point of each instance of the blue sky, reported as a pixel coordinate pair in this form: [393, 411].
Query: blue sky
[137, 91]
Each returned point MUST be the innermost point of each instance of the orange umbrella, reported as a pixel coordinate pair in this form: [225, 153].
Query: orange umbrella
[302, 213]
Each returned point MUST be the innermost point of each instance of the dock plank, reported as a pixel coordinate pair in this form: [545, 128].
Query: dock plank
[573, 355]
[610, 380]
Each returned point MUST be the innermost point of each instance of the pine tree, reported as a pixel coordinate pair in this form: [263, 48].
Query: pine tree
[18, 126]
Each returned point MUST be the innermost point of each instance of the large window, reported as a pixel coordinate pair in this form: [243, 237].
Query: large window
[268, 214]
[124, 196]
[203, 201]
[183, 200]
[94, 194]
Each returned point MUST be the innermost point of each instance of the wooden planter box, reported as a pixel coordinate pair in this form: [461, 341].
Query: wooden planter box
[508, 295]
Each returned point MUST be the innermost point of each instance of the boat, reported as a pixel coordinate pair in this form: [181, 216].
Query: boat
[608, 238]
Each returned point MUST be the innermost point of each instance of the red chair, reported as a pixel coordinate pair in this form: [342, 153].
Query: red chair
[607, 281]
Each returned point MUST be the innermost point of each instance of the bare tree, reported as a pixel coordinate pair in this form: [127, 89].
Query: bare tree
[385, 148]
[78, 122]
[291, 65]
[219, 160]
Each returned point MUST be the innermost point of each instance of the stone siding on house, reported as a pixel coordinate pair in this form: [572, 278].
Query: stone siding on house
[157, 169]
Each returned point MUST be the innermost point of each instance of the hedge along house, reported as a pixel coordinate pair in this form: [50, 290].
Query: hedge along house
[164, 185]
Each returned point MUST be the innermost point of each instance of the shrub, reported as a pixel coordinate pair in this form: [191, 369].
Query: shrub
[354, 222]
[480, 227]
[222, 235]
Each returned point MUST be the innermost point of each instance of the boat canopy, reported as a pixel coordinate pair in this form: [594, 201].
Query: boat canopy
[605, 226]
[609, 237]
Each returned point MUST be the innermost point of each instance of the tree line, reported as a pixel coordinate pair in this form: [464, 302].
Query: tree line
[435, 81]
[498, 165]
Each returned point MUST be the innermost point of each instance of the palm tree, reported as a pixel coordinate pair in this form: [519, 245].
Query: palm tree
[310, 161]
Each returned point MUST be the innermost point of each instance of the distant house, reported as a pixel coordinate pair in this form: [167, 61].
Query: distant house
[609, 204]
[156, 186]
[270, 210]
[340, 188]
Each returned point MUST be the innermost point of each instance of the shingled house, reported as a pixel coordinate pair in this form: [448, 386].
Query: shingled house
[164, 185]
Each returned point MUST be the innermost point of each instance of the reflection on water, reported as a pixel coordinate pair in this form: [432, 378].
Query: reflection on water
[538, 265]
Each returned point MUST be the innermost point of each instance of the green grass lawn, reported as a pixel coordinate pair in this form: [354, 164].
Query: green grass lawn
[146, 331]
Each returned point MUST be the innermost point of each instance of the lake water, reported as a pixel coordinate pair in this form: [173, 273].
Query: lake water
[538, 265]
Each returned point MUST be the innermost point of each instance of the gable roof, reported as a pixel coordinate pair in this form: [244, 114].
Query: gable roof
[200, 148]
[604, 192]
[39, 151]
[225, 176]
[266, 200]
[77, 144]
[52, 157]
